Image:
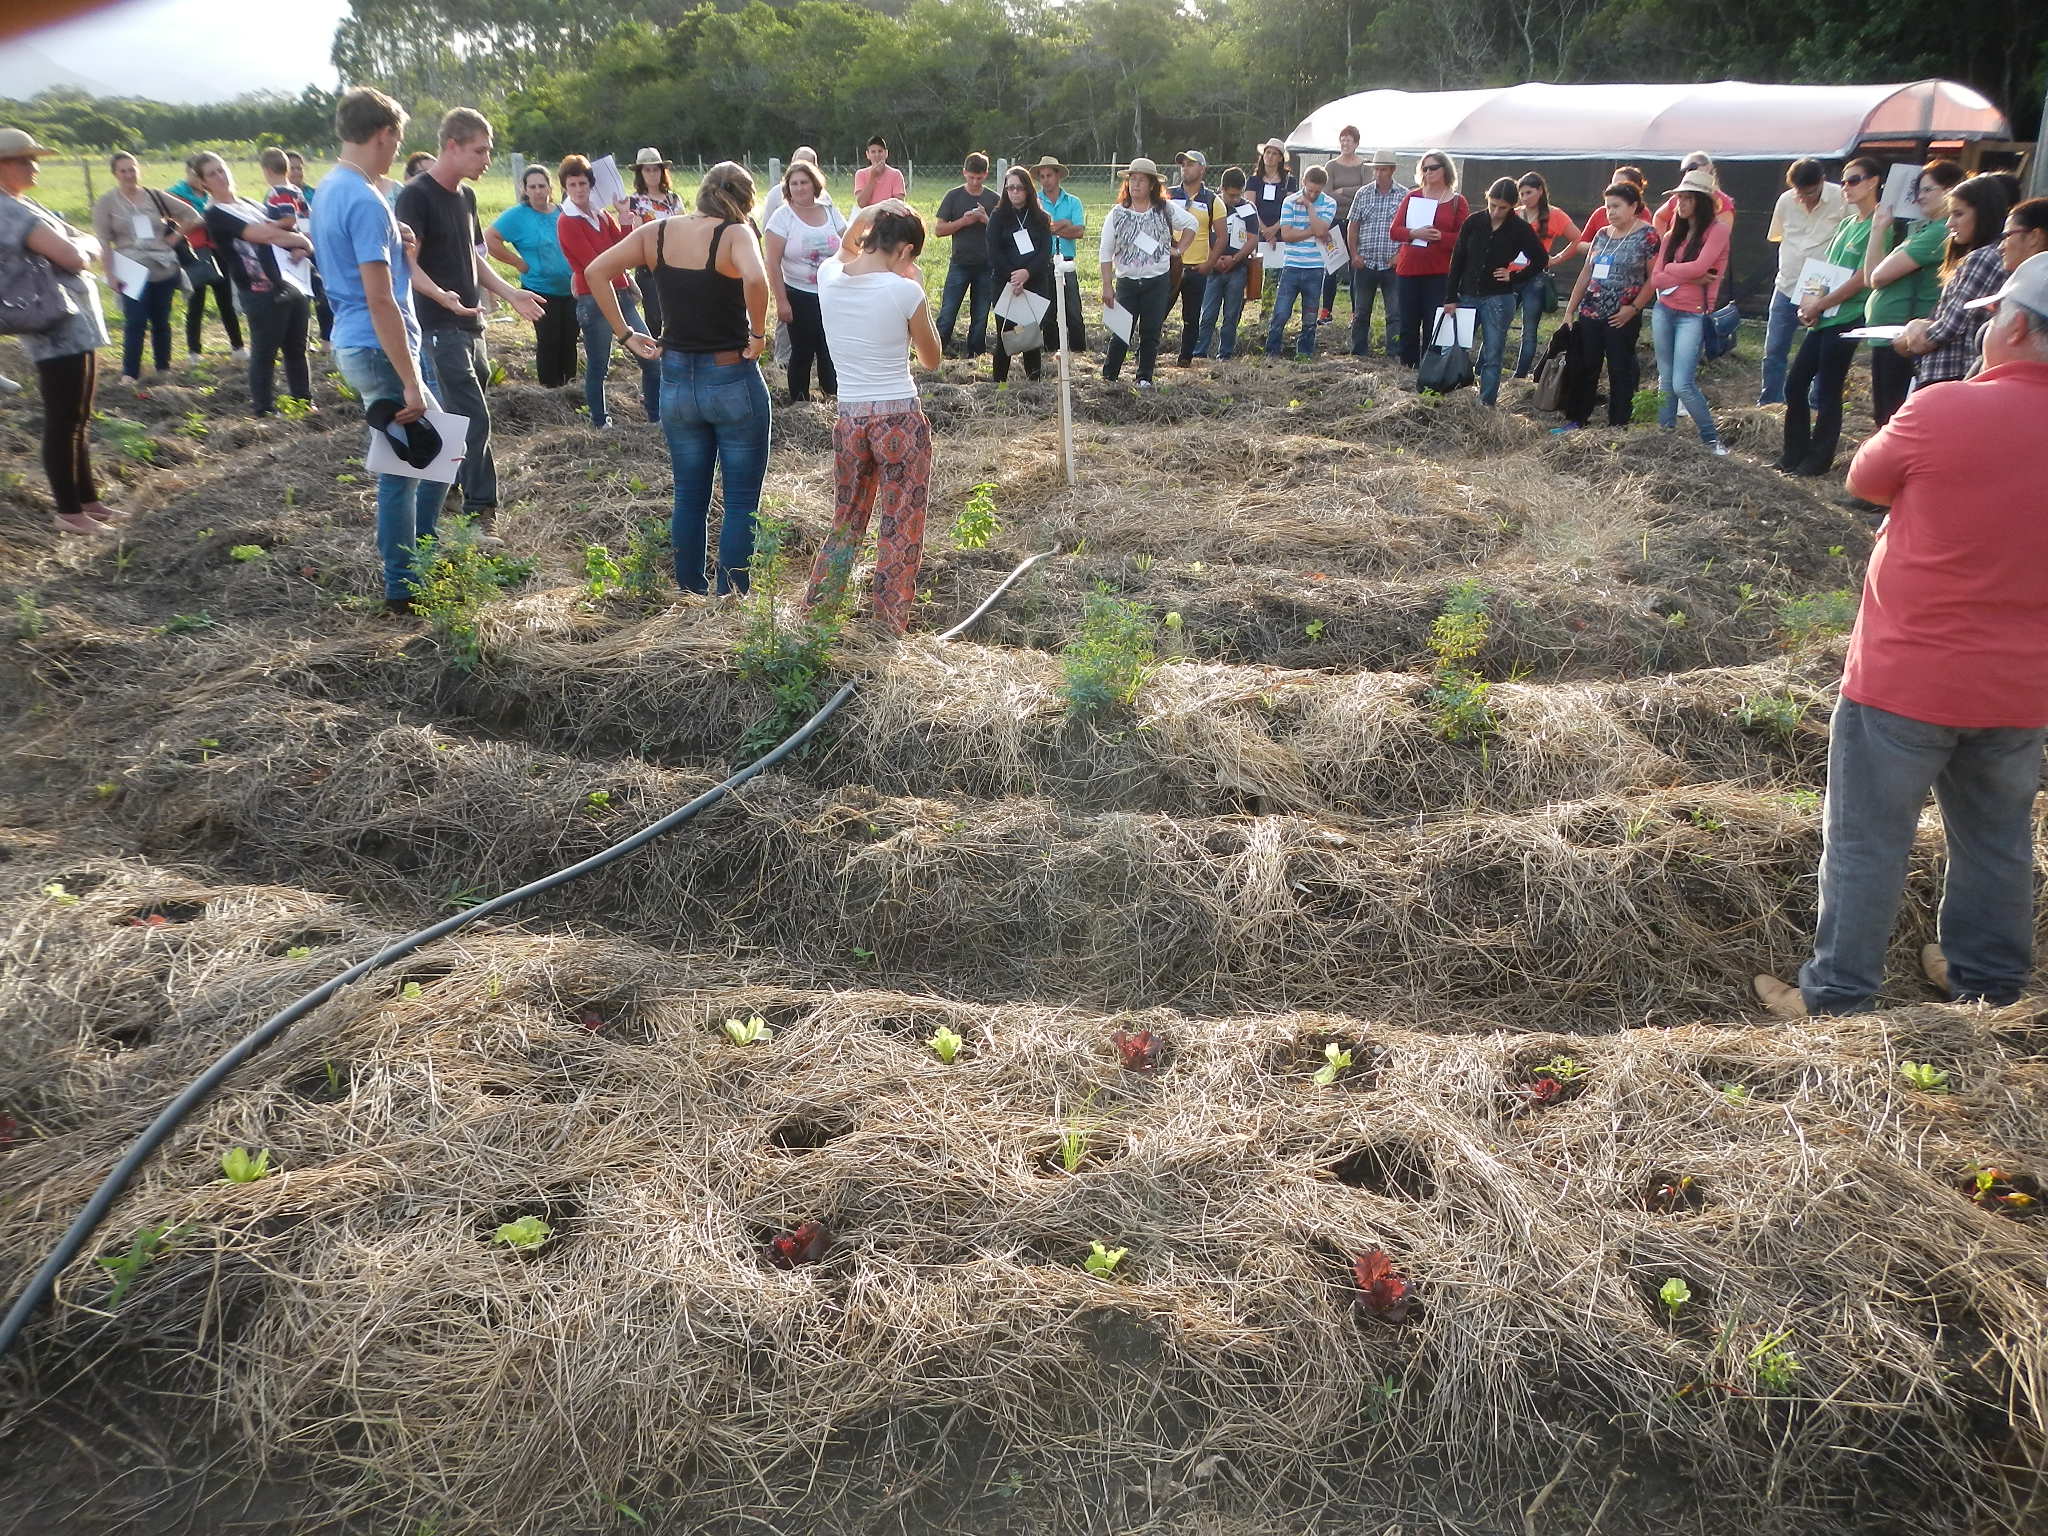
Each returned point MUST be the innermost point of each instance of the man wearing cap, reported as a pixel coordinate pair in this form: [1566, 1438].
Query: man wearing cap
[1069, 223]
[376, 335]
[1944, 686]
[1370, 242]
[1207, 210]
[455, 363]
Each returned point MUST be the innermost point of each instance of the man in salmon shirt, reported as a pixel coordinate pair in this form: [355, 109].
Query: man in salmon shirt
[1946, 686]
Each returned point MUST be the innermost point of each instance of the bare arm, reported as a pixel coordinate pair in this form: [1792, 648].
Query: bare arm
[783, 310]
[500, 251]
[607, 264]
[67, 253]
[744, 253]
[924, 339]
[389, 323]
[262, 232]
[528, 306]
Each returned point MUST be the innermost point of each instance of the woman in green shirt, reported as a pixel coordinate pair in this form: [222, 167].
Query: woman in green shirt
[1905, 282]
[1826, 351]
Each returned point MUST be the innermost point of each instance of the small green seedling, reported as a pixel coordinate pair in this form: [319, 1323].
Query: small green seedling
[1073, 1147]
[298, 952]
[1336, 1062]
[526, 1234]
[106, 789]
[752, 1030]
[247, 552]
[864, 956]
[945, 1043]
[56, 892]
[1775, 1366]
[1735, 1093]
[411, 992]
[1313, 629]
[186, 623]
[977, 522]
[242, 1167]
[28, 616]
[598, 801]
[1674, 1294]
[1563, 1068]
[1173, 620]
[143, 1249]
[1103, 1261]
[1924, 1075]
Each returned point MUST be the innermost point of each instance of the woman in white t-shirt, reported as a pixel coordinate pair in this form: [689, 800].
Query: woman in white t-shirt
[875, 312]
[1140, 238]
[800, 235]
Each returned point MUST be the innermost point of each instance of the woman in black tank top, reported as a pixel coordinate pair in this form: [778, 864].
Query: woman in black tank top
[714, 403]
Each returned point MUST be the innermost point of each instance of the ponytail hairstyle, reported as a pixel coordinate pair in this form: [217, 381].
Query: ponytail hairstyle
[1696, 214]
[1627, 191]
[1502, 191]
[1535, 179]
[727, 192]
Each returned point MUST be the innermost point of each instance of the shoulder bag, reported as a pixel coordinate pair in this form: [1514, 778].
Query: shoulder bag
[31, 299]
[1446, 366]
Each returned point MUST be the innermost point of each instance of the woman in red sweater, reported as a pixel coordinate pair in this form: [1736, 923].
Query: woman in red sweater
[584, 231]
[1688, 267]
[1422, 253]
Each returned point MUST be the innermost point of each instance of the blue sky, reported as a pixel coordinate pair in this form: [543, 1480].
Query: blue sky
[180, 50]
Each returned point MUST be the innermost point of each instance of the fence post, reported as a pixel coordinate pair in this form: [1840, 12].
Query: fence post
[1002, 170]
[774, 170]
[85, 165]
[518, 170]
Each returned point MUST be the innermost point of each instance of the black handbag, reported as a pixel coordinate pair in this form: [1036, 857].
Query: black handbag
[1553, 369]
[32, 300]
[1446, 365]
[199, 267]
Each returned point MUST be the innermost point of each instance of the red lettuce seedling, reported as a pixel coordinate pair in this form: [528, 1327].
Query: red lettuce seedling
[805, 1245]
[1137, 1049]
[592, 1021]
[154, 920]
[1380, 1291]
[1993, 1189]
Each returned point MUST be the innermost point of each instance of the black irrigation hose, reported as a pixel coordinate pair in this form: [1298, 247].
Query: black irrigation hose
[79, 1233]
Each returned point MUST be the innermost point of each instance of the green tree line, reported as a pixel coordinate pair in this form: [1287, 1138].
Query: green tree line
[1085, 79]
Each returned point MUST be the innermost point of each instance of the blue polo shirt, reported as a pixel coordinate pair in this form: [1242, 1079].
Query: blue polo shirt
[1067, 209]
[532, 235]
[355, 225]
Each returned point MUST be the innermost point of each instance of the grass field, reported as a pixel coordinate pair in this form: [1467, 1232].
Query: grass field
[1262, 1022]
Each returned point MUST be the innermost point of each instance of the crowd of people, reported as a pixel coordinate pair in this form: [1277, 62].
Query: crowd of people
[1944, 690]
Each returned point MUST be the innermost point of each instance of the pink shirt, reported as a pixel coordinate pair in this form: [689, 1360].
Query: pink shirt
[1953, 629]
[1687, 286]
[885, 184]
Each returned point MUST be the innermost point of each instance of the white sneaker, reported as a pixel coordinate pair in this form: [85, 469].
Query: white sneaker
[240, 354]
[607, 425]
[8, 386]
[1720, 450]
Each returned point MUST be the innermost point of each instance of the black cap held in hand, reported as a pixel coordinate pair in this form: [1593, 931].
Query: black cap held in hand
[416, 442]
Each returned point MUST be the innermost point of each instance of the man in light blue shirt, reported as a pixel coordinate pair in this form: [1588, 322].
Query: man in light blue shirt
[1305, 246]
[376, 335]
[1069, 222]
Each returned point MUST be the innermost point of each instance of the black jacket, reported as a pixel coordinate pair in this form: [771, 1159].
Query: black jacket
[1481, 248]
[1003, 255]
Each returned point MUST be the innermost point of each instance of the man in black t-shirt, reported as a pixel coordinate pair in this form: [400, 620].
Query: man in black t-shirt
[963, 218]
[441, 211]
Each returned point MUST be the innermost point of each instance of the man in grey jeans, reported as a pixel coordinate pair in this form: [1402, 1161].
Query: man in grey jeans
[442, 212]
[1946, 686]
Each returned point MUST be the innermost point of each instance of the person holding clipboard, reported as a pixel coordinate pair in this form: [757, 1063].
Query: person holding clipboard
[1270, 188]
[1140, 238]
[277, 308]
[1425, 232]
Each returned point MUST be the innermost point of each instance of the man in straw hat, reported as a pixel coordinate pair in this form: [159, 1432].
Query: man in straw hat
[1370, 242]
[1069, 223]
[1943, 688]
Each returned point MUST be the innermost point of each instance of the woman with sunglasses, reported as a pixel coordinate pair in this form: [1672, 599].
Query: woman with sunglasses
[1826, 351]
[1422, 252]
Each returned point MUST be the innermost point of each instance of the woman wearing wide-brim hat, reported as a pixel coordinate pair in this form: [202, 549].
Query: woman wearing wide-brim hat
[651, 198]
[65, 347]
[1140, 238]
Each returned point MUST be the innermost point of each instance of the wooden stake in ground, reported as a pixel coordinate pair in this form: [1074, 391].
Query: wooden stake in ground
[1060, 268]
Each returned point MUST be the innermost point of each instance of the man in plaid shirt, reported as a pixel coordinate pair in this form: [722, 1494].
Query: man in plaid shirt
[1372, 254]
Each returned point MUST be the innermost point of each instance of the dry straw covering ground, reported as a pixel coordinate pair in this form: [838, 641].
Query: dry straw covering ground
[1459, 1187]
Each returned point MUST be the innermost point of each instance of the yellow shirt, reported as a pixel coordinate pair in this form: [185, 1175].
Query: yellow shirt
[1208, 212]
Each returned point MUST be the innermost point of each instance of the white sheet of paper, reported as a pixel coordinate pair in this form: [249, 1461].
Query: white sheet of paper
[1876, 332]
[1334, 256]
[1269, 251]
[1603, 269]
[1521, 260]
[383, 458]
[1468, 326]
[130, 275]
[1146, 244]
[1023, 239]
[607, 186]
[144, 225]
[1902, 191]
[1421, 211]
[1118, 320]
[1020, 306]
[296, 270]
[1238, 234]
[1818, 277]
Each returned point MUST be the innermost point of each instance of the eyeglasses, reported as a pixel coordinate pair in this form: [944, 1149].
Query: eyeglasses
[2010, 234]
[1856, 181]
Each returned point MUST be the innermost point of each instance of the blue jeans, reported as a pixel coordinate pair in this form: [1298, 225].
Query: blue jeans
[1880, 768]
[1779, 333]
[407, 509]
[715, 416]
[1496, 314]
[597, 355]
[963, 278]
[1678, 339]
[1222, 300]
[149, 314]
[1365, 283]
[1305, 284]
[1533, 291]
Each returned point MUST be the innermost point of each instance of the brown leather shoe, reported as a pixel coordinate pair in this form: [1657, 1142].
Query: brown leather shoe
[1779, 1000]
